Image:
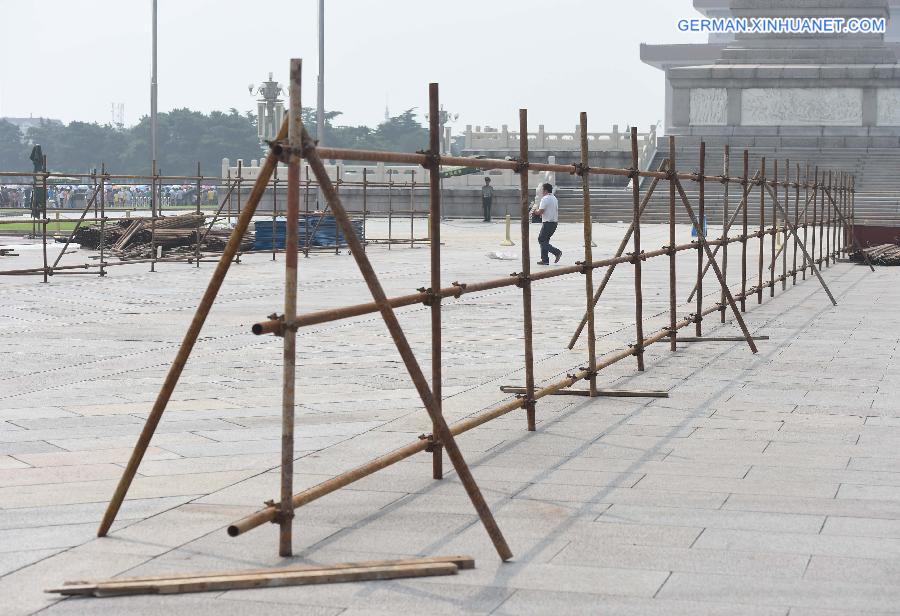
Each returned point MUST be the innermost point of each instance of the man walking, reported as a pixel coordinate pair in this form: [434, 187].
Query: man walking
[487, 198]
[548, 210]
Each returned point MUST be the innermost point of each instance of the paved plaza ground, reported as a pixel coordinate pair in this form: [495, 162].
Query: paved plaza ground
[765, 484]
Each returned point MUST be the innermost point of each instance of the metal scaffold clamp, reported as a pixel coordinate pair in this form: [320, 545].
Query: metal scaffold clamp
[280, 515]
[432, 443]
[523, 279]
[581, 169]
[460, 288]
[634, 259]
[521, 166]
[430, 296]
[432, 159]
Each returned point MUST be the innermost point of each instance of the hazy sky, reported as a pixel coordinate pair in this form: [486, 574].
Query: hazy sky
[70, 59]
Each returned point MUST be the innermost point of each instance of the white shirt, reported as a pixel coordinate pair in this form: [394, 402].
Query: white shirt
[550, 205]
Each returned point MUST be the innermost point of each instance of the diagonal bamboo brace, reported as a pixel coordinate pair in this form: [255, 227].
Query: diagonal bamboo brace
[702, 239]
[190, 338]
[663, 166]
[812, 264]
[415, 372]
[725, 230]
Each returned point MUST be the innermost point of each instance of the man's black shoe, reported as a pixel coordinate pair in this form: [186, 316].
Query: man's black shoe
[558, 257]
[543, 262]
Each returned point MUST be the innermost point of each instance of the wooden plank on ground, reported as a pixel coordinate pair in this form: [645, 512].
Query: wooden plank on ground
[267, 578]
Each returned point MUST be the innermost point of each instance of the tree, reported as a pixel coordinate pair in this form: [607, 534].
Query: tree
[184, 138]
[401, 133]
[13, 152]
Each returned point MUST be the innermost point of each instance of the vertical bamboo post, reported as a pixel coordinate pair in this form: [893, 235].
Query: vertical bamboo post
[636, 255]
[199, 222]
[390, 206]
[796, 221]
[275, 211]
[836, 219]
[784, 234]
[762, 227]
[826, 188]
[291, 240]
[434, 228]
[806, 218]
[846, 241]
[44, 218]
[815, 213]
[307, 237]
[412, 207]
[746, 202]
[102, 217]
[774, 230]
[525, 276]
[365, 204]
[853, 209]
[588, 256]
[240, 181]
[827, 224]
[726, 171]
[698, 315]
[673, 302]
[337, 188]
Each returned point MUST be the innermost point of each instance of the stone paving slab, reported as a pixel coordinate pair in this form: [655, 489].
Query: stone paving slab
[764, 485]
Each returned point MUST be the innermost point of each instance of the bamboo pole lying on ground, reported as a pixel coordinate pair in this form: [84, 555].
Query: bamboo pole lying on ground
[298, 575]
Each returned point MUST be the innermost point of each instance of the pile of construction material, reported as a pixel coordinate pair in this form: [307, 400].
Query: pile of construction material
[883, 254]
[134, 238]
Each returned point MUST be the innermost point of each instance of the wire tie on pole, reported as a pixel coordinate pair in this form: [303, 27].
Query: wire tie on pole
[460, 288]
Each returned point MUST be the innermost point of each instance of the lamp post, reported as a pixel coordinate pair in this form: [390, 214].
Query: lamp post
[320, 95]
[153, 92]
[270, 109]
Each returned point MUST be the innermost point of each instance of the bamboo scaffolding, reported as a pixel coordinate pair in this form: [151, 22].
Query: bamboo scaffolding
[442, 436]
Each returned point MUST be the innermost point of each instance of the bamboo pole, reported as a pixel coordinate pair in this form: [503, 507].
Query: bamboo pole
[187, 344]
[344, 479]
[434, 228]
[762, 227]
[199, 221]
[746, 186]
[622, 245]
[701, 205]
[726, 172]
[637, 254]
[720, 244]
[812, 264]
[103, 179]
[796, 222]
[289, 367]
[524, 278]
[673, 302]
[702, 239]
[44, 221]
[400, 341]
[774, 231]
[588, 258]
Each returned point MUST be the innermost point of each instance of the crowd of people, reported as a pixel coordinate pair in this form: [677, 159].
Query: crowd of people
[125, 196]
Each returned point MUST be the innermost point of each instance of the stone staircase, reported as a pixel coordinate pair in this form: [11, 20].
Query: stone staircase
[877, 174]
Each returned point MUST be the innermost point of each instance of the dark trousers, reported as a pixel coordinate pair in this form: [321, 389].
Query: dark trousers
[486, 206]
[547, 231]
